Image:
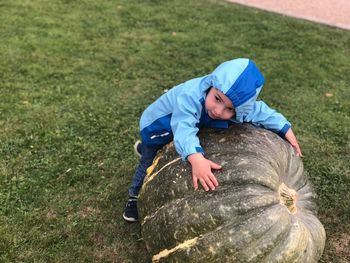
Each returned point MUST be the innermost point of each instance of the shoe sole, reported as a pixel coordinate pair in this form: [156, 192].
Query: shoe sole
[129, 219]
[135, 148]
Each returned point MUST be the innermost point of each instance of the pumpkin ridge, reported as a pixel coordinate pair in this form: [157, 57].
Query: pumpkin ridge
[294, 175]
[237, 213]
[160, 209]
[218, 196]
[305, 183]
[243, 182]
[266, 242]
[306, 198]
[185, 193]
[221, 190]
[310, 246]
[231, 233]
[270, 178]
[296, 242]
[252, 154]
[310, 221]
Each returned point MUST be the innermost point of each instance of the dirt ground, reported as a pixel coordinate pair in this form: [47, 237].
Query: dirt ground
[330, 12]
[342, 246]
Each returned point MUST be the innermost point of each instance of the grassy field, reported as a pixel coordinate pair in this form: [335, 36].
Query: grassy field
[75, 77]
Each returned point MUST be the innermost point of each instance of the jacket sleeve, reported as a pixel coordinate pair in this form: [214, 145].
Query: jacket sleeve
[183, 123]
[262, 115]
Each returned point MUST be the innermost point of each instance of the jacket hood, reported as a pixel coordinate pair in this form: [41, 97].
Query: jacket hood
[238, 79]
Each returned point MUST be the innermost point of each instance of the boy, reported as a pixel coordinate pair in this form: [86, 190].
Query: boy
[226, 95]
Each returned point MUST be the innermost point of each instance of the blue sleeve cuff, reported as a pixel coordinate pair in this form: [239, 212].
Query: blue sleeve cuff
[198, 150]
[284, 130]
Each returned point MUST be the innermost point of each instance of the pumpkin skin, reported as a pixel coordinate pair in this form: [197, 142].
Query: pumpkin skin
[262, 211]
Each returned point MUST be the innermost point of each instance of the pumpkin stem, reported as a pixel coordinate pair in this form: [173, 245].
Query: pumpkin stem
[288, 198]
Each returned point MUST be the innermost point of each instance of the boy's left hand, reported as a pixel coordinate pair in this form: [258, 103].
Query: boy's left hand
[293, 141]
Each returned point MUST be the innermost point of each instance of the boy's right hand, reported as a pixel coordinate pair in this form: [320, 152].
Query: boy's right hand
[201, 170]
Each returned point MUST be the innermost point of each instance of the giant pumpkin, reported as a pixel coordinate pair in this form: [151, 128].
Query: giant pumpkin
[262, 211]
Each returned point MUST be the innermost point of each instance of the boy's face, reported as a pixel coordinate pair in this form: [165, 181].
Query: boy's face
[218, 105]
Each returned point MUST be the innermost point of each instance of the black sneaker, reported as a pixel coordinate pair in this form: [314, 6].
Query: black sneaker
[137, 148]
[130, 212]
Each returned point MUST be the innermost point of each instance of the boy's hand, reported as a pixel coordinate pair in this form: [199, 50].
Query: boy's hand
[293, 141]
[201, 170]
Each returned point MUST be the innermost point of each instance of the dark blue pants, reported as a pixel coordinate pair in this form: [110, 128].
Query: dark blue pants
[148, 152]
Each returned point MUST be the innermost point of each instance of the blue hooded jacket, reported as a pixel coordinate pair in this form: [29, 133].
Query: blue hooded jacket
[179, 113]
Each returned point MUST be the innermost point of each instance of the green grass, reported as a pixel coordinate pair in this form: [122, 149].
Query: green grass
[75, 77]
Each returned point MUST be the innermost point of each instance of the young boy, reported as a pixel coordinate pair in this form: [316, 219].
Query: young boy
[226, 95]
